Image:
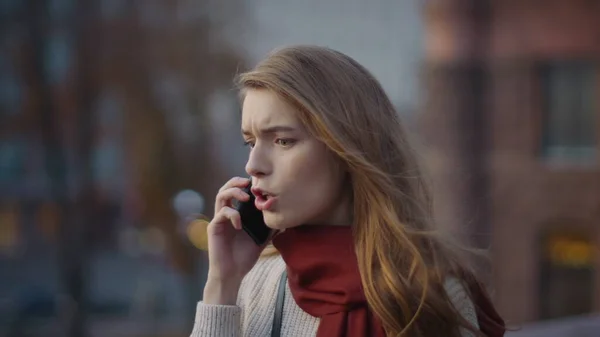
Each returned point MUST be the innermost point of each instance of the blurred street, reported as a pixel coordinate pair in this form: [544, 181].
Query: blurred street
[587, 326]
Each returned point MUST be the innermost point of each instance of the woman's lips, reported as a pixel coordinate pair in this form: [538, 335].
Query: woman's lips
[264, 203]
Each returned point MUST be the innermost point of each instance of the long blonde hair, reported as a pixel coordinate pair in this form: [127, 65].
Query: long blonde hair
[403, 259]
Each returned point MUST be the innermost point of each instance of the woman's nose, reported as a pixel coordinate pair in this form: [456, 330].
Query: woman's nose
[258, 162]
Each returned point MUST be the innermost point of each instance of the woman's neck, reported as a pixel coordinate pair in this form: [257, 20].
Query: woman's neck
[338, 215]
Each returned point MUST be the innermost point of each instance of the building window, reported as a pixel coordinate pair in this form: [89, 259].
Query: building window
[58, 57]
[569, 110]
[12, 161]
[567, 274]
[10, 90]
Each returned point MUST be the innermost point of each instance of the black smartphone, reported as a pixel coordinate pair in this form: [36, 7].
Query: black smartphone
[252, 219]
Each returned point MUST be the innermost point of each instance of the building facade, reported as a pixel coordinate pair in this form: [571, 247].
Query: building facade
[511, 119]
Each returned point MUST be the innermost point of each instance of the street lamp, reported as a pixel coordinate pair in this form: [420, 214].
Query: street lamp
[189, 205]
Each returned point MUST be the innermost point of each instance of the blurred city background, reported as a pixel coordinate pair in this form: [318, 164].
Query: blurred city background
[119, 122]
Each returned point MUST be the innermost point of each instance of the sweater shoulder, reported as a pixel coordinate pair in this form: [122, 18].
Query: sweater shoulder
[258, 294]
[462, 303]
[267, 270]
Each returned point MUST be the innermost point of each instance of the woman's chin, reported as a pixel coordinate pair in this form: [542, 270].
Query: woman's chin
[275, 221]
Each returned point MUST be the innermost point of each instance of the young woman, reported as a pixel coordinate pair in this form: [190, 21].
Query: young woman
[338, 182]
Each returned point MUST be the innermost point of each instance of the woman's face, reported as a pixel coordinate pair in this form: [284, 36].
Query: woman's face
[295, 178]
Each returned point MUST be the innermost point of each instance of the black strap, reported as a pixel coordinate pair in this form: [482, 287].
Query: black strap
[276, 331]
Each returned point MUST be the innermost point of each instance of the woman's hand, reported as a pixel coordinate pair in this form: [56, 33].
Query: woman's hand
[231, 251]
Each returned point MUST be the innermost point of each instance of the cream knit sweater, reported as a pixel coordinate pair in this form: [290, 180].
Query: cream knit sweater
[253, 314]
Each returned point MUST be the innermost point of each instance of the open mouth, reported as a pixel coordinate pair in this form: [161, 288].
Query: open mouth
[263, 196]
[263, 201]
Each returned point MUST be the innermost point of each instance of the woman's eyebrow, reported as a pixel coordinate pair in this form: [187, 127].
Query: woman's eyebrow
[270, 129]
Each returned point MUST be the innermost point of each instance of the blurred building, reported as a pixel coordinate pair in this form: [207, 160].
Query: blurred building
[58, 92]
[511, 117]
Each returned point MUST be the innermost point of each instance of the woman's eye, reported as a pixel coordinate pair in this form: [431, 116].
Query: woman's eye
[249, 143]
[284, 142]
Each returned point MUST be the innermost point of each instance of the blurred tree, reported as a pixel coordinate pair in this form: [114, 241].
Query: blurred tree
[72, 246]
[166, 71]
[166, 59]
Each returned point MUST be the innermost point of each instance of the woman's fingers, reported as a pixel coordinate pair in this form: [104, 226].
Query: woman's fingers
[224, 216]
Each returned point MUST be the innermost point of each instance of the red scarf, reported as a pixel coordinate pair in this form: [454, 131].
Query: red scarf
[325, 282]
